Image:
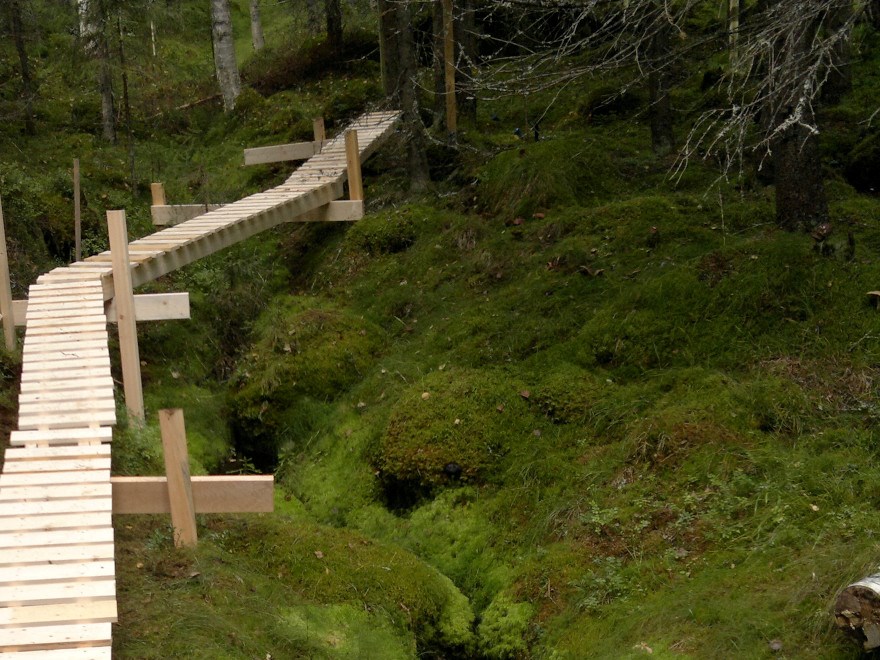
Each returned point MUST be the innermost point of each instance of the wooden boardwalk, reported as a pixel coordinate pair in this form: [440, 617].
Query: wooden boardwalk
[57, 577]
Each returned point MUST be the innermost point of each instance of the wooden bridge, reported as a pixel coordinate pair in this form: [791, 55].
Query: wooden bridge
[57, 578]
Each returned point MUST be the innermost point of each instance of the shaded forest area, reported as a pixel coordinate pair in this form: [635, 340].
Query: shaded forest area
[597, 374]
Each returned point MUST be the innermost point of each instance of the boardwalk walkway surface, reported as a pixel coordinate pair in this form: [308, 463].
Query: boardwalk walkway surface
[57, 573]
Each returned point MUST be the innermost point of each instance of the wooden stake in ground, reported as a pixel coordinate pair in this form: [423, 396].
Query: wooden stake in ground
[157, 190]
[320, 134]
[77, 213]
[183, 512]
[449, 60]
[6, 289]
[353, 160]
[125, 315]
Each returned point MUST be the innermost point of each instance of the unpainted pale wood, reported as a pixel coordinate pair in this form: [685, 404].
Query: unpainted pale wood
[6, 289]
[221, 494]
[172, 215]
[320, 133]
[155, 307]
[157, 192]
[78, 653]
[57, 592]
[77, 213]
[183, 513]
[125, 316]
[279, 153]
[353, 161]
[58, 613]
[48, 637]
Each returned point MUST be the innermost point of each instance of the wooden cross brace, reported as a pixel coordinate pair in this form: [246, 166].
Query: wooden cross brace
[184, 496]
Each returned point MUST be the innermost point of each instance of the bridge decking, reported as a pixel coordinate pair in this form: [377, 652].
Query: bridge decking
[57, 573]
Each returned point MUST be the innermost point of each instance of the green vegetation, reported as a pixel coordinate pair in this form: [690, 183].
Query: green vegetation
[564, 405]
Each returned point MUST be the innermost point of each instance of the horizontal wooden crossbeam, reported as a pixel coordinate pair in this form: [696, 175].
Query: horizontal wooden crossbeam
[223, 494]
[172, 214]
[147, 307]
[280, 153]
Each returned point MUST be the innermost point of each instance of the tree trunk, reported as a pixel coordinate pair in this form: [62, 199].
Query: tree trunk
[466, 56]
[839, 80]
[333, 9]
[27, 84]
[224, 53]
[801, 204]
[388, 47]
[257, 27]
[660, 110]
[412, 124]
[439, 66]
[88, 28]
[857, 611]
[105, 76]
[126, 106]
[313, 20]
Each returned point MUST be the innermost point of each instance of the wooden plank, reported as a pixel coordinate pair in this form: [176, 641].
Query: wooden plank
[57, 572]
[67, 420]
[48, 637]
[57, 592]
[183, 513]
[50, 397]
[14, 479]
[85, 505]
[39, 539]
[155, 307]
[157, 193]
[125, 316]
[279, 153]
[62, 384]
[80, 463]
[172, 215]
[22, 454]
[62, 492]
[57, 554]
[54, 521]
[221, 494]
[61, 436]
[353, 160]
[79, 653]
[338, 211]
[58, 613]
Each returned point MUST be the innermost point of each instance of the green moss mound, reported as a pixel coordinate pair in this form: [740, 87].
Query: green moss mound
[305, 353]
[454, 427]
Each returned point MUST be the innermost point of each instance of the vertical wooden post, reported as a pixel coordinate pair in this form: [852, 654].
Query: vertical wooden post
[183, 512]
[6, 289]
[77, 214]
[125, 320]
[158, 192]
[449, 60]
[353, 160]
[320, 134]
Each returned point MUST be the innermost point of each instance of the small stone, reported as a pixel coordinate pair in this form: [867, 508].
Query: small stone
[319, 554]
[537, 433]
[525, 394]
[814, 507]
[361, 404]
[775, 645]
[426, 396]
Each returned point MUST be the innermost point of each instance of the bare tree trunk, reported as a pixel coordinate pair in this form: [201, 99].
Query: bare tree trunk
[27, 84]
[388, 47]
[801, 204]
[313, 22]
[466, 57]
[660, 109]
[225, 64]
[126, 105]
[839, 80]
[439, 66]
[105, 81]
[414, 129]
[333, 10]
[257, 27]
[87, 27]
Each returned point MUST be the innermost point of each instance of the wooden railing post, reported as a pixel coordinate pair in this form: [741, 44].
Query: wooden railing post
[6, 289]
[158, 192]
[183, 512]
[353, 161]
[125, 316]
[77, 214]
[320, 134]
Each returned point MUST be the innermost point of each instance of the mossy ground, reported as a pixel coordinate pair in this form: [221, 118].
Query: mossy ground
[563, 406]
